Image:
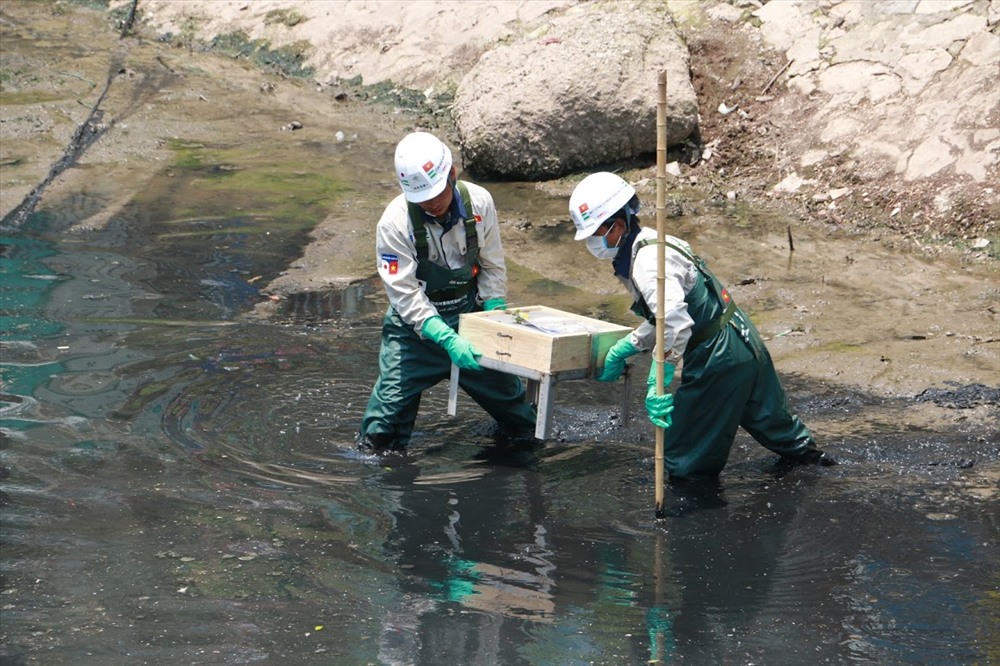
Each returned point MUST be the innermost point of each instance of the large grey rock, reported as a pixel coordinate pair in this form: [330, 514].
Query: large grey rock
[580, 92]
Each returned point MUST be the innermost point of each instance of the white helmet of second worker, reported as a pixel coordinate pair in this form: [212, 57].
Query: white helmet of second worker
[598, 196]
[423, 164]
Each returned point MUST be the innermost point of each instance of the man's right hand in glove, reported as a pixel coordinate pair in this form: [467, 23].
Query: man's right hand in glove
[659, 406]
[459, 349]
[614, 362]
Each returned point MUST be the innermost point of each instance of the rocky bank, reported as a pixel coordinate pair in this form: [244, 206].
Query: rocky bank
[868, 113]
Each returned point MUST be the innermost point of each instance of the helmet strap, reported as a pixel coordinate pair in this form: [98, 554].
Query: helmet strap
[622, 235]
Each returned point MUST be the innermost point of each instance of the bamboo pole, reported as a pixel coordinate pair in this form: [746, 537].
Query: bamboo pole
[661, 204]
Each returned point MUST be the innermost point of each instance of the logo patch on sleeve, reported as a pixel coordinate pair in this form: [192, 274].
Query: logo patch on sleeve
[389, 264]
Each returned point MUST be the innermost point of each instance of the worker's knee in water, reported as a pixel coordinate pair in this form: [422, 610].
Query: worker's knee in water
[688, 475]
[379, 443]
[813, 456]
[696, 493]
[696, 469]
[512, 414]
[519, 435]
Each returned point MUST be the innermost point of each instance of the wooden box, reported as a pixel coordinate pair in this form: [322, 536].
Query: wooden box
[541, 338]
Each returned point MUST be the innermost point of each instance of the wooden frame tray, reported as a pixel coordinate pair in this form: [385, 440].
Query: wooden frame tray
[541, 338]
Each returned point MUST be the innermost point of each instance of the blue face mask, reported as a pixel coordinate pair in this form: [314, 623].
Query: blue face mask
[598, 246]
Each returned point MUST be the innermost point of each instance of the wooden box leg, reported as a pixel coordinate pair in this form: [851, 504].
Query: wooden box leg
[544, 421]
[531, 391]
[453, 391]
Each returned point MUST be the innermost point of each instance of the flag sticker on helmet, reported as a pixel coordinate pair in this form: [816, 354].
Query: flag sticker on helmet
[596, 198]
[389, 264]
[423, 163]
[415, 182]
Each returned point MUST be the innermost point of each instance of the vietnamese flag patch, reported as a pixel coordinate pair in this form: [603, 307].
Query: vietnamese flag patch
[583, 211]
[389, 264]
[725, 296]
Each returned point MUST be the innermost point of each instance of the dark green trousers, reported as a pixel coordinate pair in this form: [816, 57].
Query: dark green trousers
[727, 382]
[408, 365]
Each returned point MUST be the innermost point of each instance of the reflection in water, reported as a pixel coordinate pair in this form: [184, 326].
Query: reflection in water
[458, 547]
[180, 486]
[747, 577]
[348, 302]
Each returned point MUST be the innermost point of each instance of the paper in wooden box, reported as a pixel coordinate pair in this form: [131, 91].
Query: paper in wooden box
[541, 338]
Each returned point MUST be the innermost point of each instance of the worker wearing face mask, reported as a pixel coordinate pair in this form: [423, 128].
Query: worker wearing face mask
[439, 255]
[728, 379]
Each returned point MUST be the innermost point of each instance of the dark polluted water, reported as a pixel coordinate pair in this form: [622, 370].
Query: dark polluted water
[179, 487]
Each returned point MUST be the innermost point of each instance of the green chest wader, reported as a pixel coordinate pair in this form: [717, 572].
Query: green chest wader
[726, 384]
[708, 303]
[408, 364]
[452, 290]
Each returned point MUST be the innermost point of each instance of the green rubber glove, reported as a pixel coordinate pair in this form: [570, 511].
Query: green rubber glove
[659, 406]
[494, 304]
[614, 363]
[459, 349]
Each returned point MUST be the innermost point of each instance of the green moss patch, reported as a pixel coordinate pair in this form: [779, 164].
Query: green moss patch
[204, 182]
[286, 59]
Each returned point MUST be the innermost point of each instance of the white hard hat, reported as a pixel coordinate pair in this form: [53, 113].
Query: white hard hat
[597, 197]
[423, 163]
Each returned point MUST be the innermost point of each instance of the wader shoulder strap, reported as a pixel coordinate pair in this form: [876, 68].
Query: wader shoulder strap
[640, 307]
[727, 303]
[420, 232]
[690, 257]
[471, 238]
[461, 286]
[714, 327]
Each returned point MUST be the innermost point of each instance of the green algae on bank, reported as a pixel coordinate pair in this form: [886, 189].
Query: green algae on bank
[218, 180]
[285, 59]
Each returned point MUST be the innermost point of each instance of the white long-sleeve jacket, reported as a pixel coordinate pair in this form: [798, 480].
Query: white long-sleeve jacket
[396, 254]
[680, 277]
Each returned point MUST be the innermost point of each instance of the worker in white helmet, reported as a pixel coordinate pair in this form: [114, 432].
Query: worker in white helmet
[727, 380]
[439, 254]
